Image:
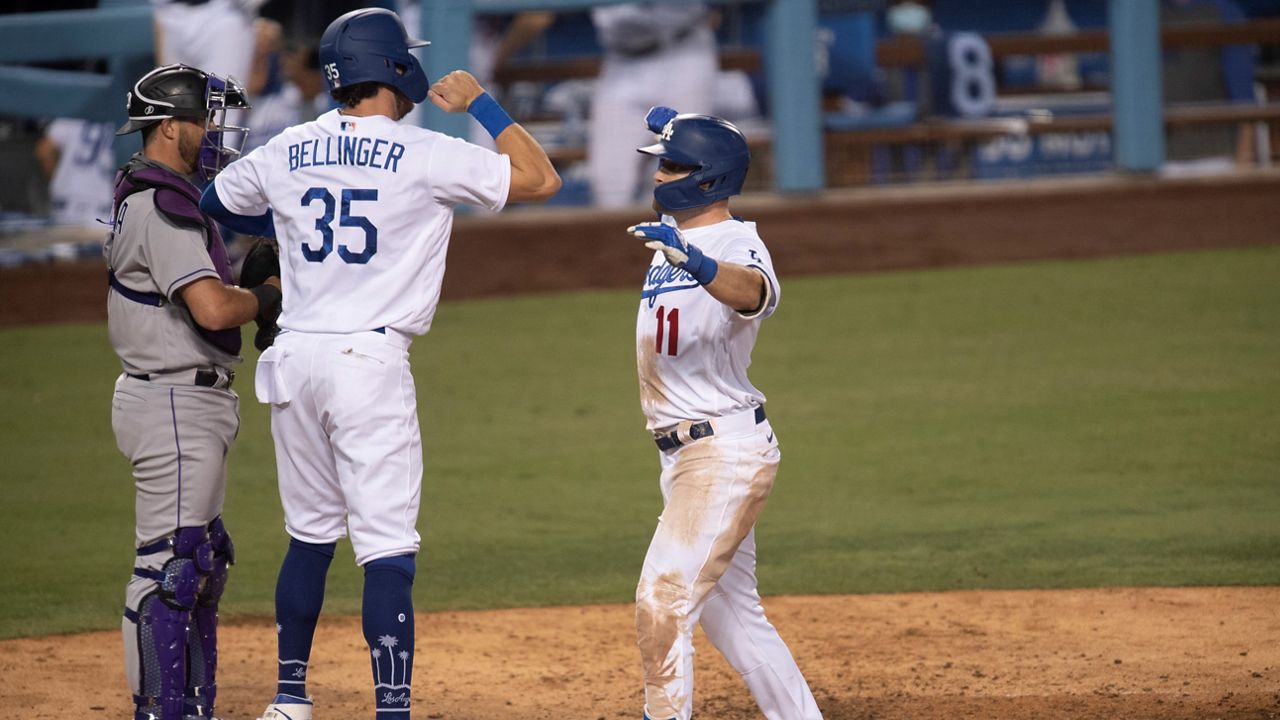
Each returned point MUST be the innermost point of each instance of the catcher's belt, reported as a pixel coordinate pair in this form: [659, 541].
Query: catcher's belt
[218, 377]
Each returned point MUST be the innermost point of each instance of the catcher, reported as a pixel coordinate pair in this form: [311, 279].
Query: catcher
[173, 315]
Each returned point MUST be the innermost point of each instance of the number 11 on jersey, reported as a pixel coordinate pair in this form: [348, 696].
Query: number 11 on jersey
[672, 330]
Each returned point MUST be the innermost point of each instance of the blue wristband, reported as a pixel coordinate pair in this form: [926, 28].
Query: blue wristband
[702, 268]
[489, 114]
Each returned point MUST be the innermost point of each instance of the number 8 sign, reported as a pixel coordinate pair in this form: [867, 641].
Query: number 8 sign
[962, 75]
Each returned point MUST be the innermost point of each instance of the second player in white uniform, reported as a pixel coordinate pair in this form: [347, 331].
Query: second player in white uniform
[708, 287]
[362, 207]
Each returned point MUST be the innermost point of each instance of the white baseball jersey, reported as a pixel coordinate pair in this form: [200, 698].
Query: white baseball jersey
[81, 187]
[692, 351]
[216, 36]
[363, 209]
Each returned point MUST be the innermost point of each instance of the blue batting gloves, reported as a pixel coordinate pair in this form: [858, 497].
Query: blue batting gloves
[657, 118]
[677, 250]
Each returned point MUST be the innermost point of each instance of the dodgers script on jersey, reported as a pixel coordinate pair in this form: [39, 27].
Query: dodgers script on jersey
[363, 208]
[693, 351]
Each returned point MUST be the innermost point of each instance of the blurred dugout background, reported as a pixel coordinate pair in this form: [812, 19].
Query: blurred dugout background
[906, 92]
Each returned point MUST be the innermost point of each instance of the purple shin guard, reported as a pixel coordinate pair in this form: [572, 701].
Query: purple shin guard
[163, 631]
[202, 637]
[165, 626]
[202, 661]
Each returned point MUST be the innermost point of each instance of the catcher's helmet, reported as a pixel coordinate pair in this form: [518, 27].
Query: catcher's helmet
[715, 147]
[182, 91]
[371, 45]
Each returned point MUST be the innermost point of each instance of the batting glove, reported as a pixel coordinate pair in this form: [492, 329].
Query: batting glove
[678, 251]
[657, 118]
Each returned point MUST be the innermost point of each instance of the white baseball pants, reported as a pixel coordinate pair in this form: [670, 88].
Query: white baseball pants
[344, 418]
[701, 567]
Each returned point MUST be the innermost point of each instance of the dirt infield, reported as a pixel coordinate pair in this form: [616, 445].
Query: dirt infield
[1082, 654]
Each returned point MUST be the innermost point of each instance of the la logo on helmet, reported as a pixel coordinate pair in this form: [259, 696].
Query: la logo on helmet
[668, 130]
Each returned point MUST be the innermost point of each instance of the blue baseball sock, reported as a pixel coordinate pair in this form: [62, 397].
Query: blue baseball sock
[388, 628]
[299, 597]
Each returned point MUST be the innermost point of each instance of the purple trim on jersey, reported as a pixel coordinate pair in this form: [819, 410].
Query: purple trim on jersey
[143, 298]
[179, 201]
[173, 409]
[175, 283]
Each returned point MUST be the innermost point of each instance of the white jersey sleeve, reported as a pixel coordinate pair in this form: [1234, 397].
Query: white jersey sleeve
[749, 251]
[240, 186]
[464, 173]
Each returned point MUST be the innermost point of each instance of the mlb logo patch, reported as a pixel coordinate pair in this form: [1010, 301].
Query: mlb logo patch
[348, 125]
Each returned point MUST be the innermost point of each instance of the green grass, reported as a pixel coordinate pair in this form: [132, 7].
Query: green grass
[1109, 422]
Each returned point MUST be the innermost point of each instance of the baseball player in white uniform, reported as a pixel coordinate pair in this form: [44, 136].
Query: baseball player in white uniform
[710, 284]
[76, 156]
[362, 207]
[216, 35]
[653, 52]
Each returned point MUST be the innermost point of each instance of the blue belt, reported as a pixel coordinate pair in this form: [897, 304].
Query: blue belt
[697, 431]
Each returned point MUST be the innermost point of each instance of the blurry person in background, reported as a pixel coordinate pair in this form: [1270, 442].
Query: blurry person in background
[654, 54]
[302, 71]
[495, 39]
[285, 84]
[908, 17]
[273, 108]
[1207, 75]
[214, 35]
[494, 43]
[77, 160]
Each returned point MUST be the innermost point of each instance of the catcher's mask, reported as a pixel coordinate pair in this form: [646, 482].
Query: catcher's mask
[182, 91]
[371, 45]
[715, 147]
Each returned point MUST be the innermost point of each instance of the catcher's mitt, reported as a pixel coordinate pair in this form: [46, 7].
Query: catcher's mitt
[261, 262]
[266, 336]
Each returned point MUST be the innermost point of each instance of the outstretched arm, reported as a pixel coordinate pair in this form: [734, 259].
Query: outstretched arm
[742, 288]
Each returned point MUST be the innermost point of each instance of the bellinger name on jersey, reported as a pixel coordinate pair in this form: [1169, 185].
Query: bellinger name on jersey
[346, 150]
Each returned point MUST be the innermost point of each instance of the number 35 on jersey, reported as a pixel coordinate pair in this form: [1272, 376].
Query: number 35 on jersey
[348, 216]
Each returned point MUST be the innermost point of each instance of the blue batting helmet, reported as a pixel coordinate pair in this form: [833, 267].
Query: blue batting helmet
[371, 45]
[715, 147]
